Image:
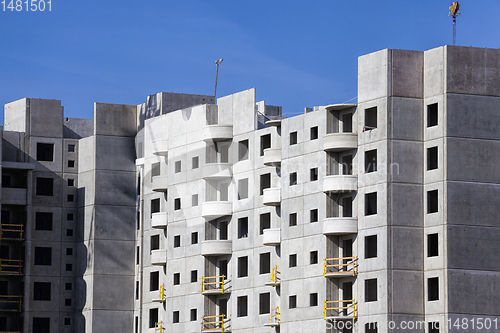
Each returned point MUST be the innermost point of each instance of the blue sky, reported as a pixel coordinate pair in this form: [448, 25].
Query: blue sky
[296, 53]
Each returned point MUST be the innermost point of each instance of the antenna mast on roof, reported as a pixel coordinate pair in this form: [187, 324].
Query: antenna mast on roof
[454, 12]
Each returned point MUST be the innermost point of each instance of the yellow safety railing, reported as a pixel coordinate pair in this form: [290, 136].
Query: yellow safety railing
[274, 275]
[275, 315]
[161, 292]
[212, 323]
[10, 266]
[212, 283]
[11, 299]
[12, 228]
[340, 309]
[159, 327]
[340, 265]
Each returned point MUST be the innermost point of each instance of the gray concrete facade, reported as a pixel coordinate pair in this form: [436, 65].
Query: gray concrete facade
[186, 214]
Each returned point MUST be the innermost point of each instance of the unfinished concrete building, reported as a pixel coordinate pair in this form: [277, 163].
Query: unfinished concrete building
[186, 214]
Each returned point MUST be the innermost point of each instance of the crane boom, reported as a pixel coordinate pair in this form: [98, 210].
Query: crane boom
[454, 12]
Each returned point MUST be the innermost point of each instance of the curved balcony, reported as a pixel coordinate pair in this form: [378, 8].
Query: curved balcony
[273, 122]
[340, 183]
[340, 225]
[160, 147]
[215, 209]
[272, 197]
[159, 220]
[272, 237]
[217, 132]
[159, 257]
[340, 141]
[216, 247]
[340, 107]
[139, 161]
[159, 183]
[272, 156]
[216, 171]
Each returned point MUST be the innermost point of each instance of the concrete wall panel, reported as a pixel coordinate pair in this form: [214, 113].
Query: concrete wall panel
[46, 118]
[373, 71]
[16, 115]
[407, 73]
[115, 119]
[472, 116]
[406, 119]
[473, 292]
[114, 222]
[113, 257]
[473, 248]
[473, 160]
[406, 293]
[406, 162]
[112, 292]
[118, 321]
[115, 188]
[471, 204]
[407, 205]
[434, 72]
[115, 153]
[406, 248]
[472, 70]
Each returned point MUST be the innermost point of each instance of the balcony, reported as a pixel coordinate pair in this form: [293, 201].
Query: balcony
[216, 247]
[18, 165]
[214, 209]
[11, 231]
[159, 183]
[340, 183]
[272, 156]
[216, 171]
[340, 225]
[340, 267]
[340, 141]
[339, 310]
[340, 106]
[275, 318]
[139, 161]
[273, 122]
[159, 220]
[159, 257]
[275, 281]
[213, 324]
[214, 285]
[11, 303]
[161, 295]
[272, 197]
[160, 147]
[159, 327]
[13, 196]
[272, 237]
[10, 267]
[217, 132]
